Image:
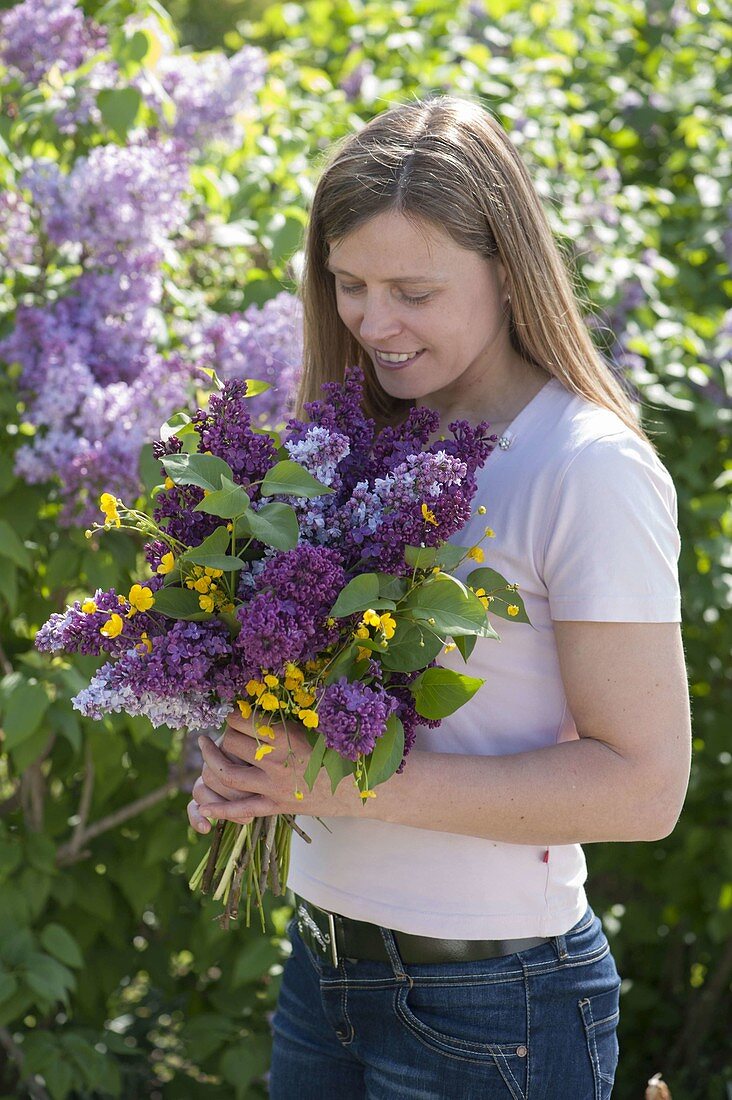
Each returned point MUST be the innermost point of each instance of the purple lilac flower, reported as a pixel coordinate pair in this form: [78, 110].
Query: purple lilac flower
[264, 343]
[320, 451]
[18, 241]
[210, 92]
[120, 199]
[225, 430]
[353, 716]
[77, 631]
[37, 34]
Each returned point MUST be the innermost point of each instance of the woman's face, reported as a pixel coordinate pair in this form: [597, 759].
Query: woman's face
[405, 289]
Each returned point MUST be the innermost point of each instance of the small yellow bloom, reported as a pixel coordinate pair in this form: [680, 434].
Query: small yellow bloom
[108, 505]
[167, 564]
[368, 794]
[202, 584]
[113, 626]
[293, 672]
[245, 708]
[476, 553]
[229, 526]
[206, 603]
[298, 795]
[169, 483]
[481, 509]
[479, 591]
[271, 681]
[363, 654]
[268, 701]
[388, 625]
[362, 632]
[141, 597]
[303, 698]
[211, 572]
[121, 600]
[144, 643]
[489, 533]
[371, 617]
[262, 751]
[436, 569]
[449, 647]
[266, 731]
[330, 622]
[512, 609]
[255, 687]
[309, 718]
[429, 516]
[88, 607]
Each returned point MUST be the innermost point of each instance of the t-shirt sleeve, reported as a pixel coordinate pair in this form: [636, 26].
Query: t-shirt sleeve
[612, 541]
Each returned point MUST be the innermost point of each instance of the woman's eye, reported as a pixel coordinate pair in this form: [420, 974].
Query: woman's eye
[414, 301]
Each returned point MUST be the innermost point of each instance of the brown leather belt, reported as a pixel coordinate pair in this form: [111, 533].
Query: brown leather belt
[335, 937]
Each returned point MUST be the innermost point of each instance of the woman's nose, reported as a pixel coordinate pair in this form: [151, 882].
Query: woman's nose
[379, 324]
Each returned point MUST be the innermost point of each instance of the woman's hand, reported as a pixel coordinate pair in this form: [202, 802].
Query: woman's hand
[235, 786]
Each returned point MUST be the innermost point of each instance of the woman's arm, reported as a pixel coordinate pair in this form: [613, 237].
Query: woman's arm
[625, 779]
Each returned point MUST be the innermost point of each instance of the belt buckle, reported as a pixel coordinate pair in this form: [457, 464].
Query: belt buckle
[323, 939]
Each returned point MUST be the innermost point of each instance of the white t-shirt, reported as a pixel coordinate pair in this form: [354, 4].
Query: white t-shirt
[584, 515]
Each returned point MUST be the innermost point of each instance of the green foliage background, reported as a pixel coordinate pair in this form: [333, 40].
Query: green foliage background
[113, 980]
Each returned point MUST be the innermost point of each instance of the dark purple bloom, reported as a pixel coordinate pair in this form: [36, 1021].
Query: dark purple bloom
[353, 716]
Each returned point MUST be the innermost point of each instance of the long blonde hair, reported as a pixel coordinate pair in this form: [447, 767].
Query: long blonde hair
[446, 160]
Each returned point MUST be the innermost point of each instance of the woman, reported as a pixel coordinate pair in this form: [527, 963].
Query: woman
[443, 945]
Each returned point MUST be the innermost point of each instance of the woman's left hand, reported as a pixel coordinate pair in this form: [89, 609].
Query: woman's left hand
[260, 788]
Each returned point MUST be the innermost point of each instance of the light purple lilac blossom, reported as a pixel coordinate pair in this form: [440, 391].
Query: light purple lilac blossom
[38, 34]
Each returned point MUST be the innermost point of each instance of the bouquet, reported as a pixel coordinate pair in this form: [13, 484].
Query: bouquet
[297, 577]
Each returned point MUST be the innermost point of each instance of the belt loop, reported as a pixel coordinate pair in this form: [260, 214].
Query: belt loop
[560, 945]
[392, 951]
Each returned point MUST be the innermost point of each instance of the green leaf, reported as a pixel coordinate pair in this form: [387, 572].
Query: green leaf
[212, 552]
[173, 425]
[274, 524]
[49, 978]
[387, 753]
[180, 603]
[205, 471]
[465, 644]
[343, 665]
[119, 107]
[8, 985]
[453, 607]
[392, 587]
[360, 594]
[503, 595]
[229, 501]
[242, 1062]
[62, 945]
[404, 653]
[291, 479]
[440, 691]
[315, 762]
[9, 586]
[11, 547]
[337, 767]
[447, 555]
[256, 386]
[24, 712]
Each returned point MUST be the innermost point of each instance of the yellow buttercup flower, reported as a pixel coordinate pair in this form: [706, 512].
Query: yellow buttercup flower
[206, 603]
[255, 687]
[449, 647]
[476, 553]
[271, 681]
[169, 483]
[362, 632]
[211, 572]
[303, 698]
[108, 505]
[429, 516]
[293, 672]
[266, 731]
[144, 643]
[201, 584]
[88, 607]
[141, 597]
[167, 564]
[481, 509]
[368, 794]
[512, 609]
[371, 617]
[489, 533]
[113, 626]
[388, 625]
[262, 751]
[245, 708]
[309, 718]
[298, 795]
[268, 701]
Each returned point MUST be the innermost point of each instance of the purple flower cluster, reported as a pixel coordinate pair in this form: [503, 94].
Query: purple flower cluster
[285, 620]
[211, 93]
[76, 631]
[225, 430]
[352, 716]
[265, 343]
[37, 34]
[18, 241]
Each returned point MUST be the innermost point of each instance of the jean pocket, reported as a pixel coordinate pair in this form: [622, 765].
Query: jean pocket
[600, 1016]
[472, 1018]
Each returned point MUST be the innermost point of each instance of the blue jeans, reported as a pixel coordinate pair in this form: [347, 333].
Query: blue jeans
[536, 1025]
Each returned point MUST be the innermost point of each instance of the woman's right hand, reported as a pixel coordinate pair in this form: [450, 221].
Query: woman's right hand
[202, 794]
